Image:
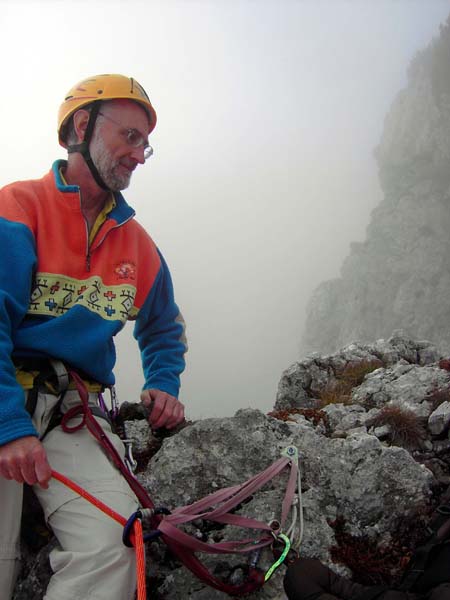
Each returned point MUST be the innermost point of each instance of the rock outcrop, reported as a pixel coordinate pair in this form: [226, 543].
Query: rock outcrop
[371, 424]
[399, 277]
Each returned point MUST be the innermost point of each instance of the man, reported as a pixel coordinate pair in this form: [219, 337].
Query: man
[75, 267]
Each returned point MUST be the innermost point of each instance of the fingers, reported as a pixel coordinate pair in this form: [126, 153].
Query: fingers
[166, 410]
[171, 415]
[43, 472]
[24, 460]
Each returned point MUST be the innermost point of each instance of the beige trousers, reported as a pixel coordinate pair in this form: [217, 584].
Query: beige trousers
[90, 561]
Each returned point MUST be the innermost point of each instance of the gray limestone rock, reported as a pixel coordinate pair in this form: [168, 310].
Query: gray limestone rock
[357, 471]
[407, 386]
[371, 486]
[439, 419]
[304, 382]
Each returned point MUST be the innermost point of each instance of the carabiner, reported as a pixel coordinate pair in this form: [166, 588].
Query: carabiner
[129, 459]
[287, 547]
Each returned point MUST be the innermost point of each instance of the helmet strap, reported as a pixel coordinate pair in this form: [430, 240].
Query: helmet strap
[83, 148]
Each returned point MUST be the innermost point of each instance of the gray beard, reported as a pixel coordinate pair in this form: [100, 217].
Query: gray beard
[107, 167]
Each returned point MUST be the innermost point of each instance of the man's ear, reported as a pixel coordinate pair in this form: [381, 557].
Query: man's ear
[80, 122]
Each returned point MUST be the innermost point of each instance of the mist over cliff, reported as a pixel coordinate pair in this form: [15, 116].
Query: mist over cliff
[399, 277]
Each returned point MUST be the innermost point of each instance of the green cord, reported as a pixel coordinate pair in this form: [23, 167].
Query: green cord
[275, 565]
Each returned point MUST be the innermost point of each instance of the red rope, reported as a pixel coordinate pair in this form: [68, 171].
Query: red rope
[140, 560]
[137, 539]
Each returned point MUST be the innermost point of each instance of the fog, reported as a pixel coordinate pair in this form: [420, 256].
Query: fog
[263, 172]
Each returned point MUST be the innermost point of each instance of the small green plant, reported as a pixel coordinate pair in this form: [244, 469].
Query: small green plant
[405, 427]
[351, 376]
[354, 373]
[337, 392]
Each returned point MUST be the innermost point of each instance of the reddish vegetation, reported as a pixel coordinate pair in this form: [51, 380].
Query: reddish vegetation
[312, 414]
[437, 396]
[372, 565]
[405, 427]
[445, 364]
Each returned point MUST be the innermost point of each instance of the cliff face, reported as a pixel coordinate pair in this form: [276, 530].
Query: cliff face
[399, 277]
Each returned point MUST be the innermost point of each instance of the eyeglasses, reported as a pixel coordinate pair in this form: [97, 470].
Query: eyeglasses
[135, 139]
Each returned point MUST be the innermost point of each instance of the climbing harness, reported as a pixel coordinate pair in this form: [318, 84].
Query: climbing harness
[216, 507]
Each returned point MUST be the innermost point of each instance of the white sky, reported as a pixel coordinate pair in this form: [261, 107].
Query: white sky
[268, 113]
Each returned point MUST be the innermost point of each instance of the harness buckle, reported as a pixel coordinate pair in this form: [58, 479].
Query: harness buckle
[62, 375]
[291, 452]
[114, 412]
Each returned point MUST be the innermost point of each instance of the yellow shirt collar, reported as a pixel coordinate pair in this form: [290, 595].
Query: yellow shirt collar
[109, 205]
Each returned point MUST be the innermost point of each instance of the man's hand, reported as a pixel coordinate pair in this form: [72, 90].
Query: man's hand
[25, 461]
[165, 410]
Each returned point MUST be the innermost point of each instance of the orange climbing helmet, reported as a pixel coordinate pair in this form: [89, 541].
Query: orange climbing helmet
[102, 87]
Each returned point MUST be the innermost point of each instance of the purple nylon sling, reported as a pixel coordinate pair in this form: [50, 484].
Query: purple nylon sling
[220, 503]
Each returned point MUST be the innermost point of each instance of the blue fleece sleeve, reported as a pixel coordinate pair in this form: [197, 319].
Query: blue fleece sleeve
[17, 265]
[159, 331]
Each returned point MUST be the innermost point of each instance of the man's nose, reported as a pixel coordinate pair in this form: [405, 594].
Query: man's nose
[138, 154]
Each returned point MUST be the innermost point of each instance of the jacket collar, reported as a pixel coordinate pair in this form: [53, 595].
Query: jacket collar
[120, 213]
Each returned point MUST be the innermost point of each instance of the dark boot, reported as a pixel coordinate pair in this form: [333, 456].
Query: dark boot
[309, 579]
